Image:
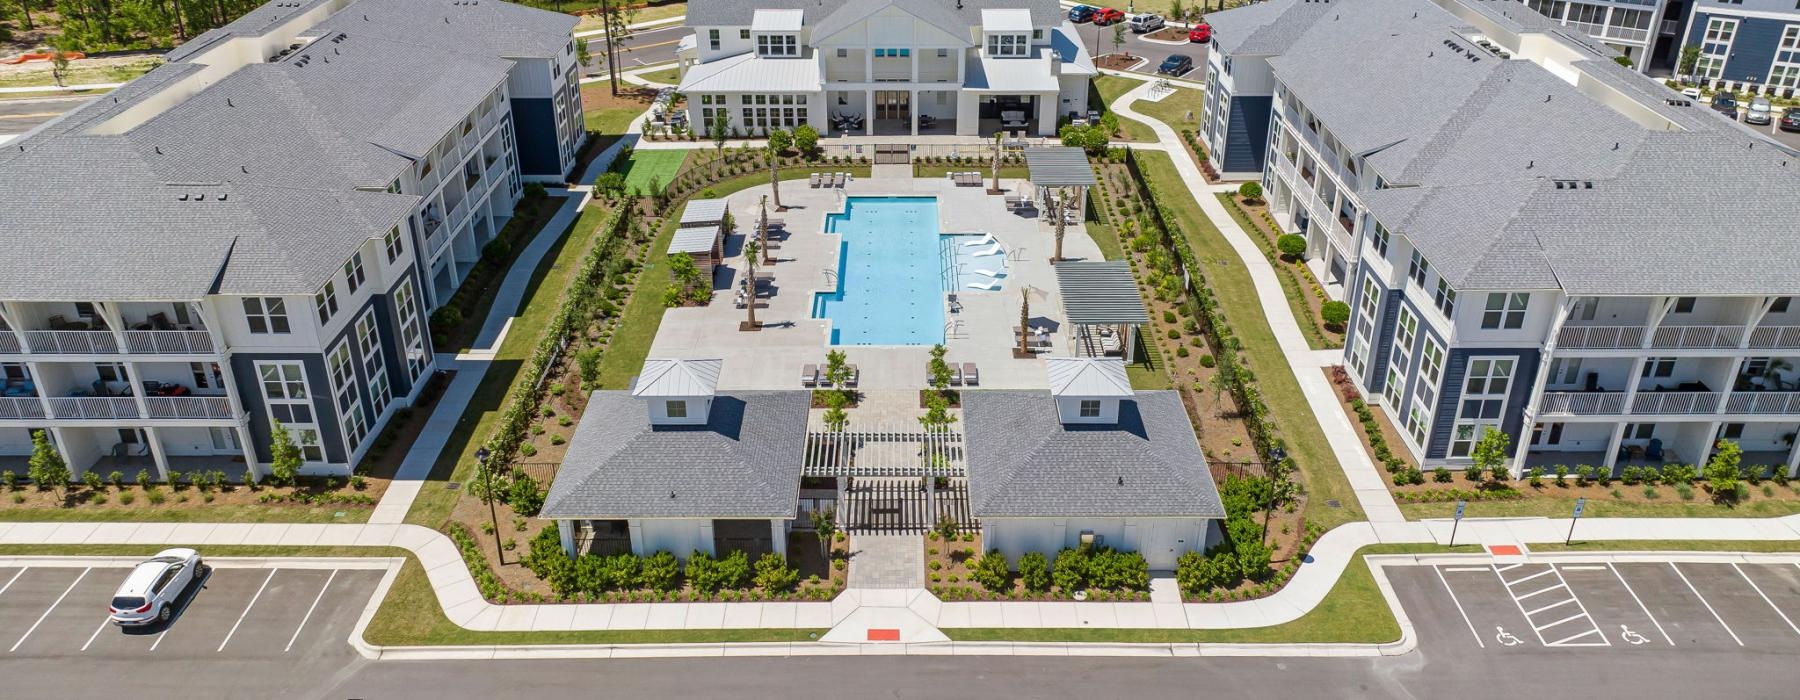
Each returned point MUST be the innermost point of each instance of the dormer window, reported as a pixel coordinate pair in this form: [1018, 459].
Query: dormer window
[1005, 45]
[677, 409]
[1090, 408]
[777, 45]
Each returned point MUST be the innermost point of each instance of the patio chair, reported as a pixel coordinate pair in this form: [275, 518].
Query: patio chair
[956, 378]
[971, 376]
[809, 375]
[985, 239]
[837, 179]
[855, 376]
[996, 250]
[991, 273]
[988, 286]
[813, 181]
[1654, 450]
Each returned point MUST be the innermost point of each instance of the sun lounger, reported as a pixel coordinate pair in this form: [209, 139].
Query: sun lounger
[990, 273]
[987, 286]
[971, 376]
[809, 375]
[985, 239]
[956, 378]
[855, 376]
[837, 179]
[814, 181]
[1012, 201]
[996, 250]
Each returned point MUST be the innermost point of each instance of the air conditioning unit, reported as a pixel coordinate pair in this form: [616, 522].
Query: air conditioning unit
[1089, 540]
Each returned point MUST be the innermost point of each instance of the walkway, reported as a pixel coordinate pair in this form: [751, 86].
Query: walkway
[887, 561]
[1371, 490]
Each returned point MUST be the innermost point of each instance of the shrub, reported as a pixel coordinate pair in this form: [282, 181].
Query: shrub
[1536, 477]
[1334, 313]
[1034, 572]
[1562, 476]
[446, 317]
[774, 575]
[1291, 245]
[156, 497]
[806, 139]
[9, 480]
[709, 575]
[1207, 361]
[496, 249]
[1441, 475]
[126, 498]
[1070, 570]
[1584, 474]
[947, 527]
[1250, 191]
[991, 571]
[659, 572]
[91, 479]
[523, 495]
[1722, 470]
[117, 479]
[1110, 568]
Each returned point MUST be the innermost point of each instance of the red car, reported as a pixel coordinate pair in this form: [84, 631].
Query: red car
[1106, 15]
[1200, 34]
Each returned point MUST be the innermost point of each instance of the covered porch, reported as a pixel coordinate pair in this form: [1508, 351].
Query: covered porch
[1105, 311]
[899, 111]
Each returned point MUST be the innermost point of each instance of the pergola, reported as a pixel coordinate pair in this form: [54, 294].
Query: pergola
[885, 451]
[1060, 167]
[1101, 301]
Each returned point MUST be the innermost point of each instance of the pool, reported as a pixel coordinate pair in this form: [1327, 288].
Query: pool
[891, 273]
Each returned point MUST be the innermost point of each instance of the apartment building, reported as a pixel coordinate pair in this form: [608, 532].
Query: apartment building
[1646, 32]
[866, 67]
[253, 233]
[1532, 237]
[1747, 44]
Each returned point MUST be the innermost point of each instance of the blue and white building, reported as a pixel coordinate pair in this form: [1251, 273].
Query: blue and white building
[1646, 32]
[1751, 45]
[254, 231]
[1527, 232]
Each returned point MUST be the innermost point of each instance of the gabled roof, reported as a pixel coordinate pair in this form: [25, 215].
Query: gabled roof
[743, 463]
[1024, 462]
[1265, 28]
[747, 72]
[502, 29]
[777, 20]
[827, 17]
[676, 377]
[1087, 377]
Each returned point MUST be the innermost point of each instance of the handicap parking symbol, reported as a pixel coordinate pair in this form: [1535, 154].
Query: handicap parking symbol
[1631, 637]
[1506, 638]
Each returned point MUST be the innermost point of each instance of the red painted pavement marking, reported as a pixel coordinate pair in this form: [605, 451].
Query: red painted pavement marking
[876, 635]
[1504, 550]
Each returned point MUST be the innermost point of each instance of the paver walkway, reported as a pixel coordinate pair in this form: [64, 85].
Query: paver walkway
[887, 561]
[1365, 479]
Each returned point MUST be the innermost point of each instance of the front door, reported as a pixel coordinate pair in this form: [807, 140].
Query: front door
[893, 104]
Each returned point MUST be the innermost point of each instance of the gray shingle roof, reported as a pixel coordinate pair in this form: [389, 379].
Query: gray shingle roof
[1264, 28]
[1100, 292]
[501, 29]
[826, 16]
[744, 463]
[1025, 463]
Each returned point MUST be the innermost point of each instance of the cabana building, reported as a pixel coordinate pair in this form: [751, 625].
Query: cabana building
[701, 234]
[1101, 301]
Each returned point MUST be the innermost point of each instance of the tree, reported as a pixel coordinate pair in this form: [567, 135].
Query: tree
[1062, 220]
[285, 460]
[1291, 245]
[1335, 313]
[774, 177]
[837, 368]
[750, 258]
[581, 52]
[1024, 322]
[938, 369]
[1118, 37]
[719, 129]
[762, 228]
[1176, 11]
[806, 139]
[1250, 191]
[1722, 470]
[615, 19]
[1490, 451]
[780, 140]
[1690, 59]
[59, 65]
[824, 522]
[46, 467]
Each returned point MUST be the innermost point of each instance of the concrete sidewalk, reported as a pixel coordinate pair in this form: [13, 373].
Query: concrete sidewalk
[1365, 479]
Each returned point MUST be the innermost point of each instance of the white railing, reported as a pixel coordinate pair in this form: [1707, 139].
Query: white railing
[189, 407]
[1674, 402]
[1341, 238]
[490, 119]
[1583, 403]
[497, 170]
[1591, 337]
[21, 408]
[72, 342]
[93, 407]
[9, 343]
[1764, 402]
[471, 139]
[457, 214]
[1691, 337]
[169, 342]
[1767, 337]
[434, 237]
[430, 180]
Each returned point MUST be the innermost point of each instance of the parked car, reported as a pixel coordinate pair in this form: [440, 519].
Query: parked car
[1790, 119]
[1692, 93]
[1106, 15]
[1081, 13]
[1200, 33]
[150, 593]
[1175, 65]
[1725, 103]
[1760, 111]
[1145, 23]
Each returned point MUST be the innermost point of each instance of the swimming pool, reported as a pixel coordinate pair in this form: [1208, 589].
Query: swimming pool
[890, 276]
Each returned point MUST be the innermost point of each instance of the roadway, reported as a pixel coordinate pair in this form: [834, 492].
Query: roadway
[1098, 41]
[646, 47]
[20, 116]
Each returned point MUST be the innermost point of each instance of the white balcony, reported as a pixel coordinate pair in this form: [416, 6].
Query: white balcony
[72, 342]
[1764, 402]
[1697, 337]
[1663, 403]
[211, 408]
[189, 407]
[1665, 337]
[1775, 337]
[1582, 403]
[105, 343]
[21, 408]
[93, 407]
[1600, 337]
[9, 343]
[169, 342]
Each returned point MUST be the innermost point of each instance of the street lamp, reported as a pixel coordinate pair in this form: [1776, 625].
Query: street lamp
[487, 475]
[1276, 455]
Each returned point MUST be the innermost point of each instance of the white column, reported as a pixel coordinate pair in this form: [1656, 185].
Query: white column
[912, 105]
[1538, 381]
[915, 64]
[156, 453]
[706, 538]
[565, 529]
[247, 444]
[869, 112]
[962, 66]
[1793, 461]
[1705, 454]
[778, 536]
[1612, 446]
[637, 536]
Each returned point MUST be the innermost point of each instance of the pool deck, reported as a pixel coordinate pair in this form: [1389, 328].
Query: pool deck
[772, 358]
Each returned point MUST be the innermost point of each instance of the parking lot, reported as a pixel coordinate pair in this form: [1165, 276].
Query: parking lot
[1600, 604]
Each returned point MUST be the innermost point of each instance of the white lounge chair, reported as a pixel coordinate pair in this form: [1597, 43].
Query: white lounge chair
[996, 250]
[991, 273]
[985, 239]
[814, 181]
[988, 286]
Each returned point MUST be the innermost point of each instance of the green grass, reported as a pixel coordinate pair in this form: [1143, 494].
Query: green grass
[1110, 87]
[1174, 109]
[194, 511]
[647, 167]
[1237, 296]
[938, 170]
[1671, 546]
[666, 76]
[78, 74]
[1107, 239]
[612, 121]
[643, 14]
[1552, 506]
[1292, 286]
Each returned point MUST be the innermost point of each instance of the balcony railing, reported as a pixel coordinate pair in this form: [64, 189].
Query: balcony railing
[495, 171]
[1652, 403]
[21, 408]
[126, 407]
[189, 407]
[1348, 223]
[1665, 338]
[1600, 337]
[93, 407]
[169, 342]
[104, 343]
[1697, 337]
[1583, 403]
[72, 342]
[1773, 337]
[9, 343]
[1764, 402]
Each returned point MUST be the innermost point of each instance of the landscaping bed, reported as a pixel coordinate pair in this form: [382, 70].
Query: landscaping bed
[1305, 296]
[455, 324]
[1169, 33]
[1117, 61]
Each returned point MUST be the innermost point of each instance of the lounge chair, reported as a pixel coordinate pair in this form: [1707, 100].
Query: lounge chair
[996, 250]
[988, 286]
[956, 378]
[985, 239]
[971, 376]
[991, 273]
[1012, 201]
[837, 179]
[814, 181]
[855, 376]
[809, 375]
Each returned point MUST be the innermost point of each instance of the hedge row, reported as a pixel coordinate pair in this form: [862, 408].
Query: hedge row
[660, 575]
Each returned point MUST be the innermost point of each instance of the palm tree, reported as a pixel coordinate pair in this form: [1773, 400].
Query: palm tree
[750, 258]
[1024, 321]
[762, 230]
[1062, 220]
[774, 180]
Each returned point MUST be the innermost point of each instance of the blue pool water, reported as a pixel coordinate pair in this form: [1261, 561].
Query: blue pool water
[891, 273]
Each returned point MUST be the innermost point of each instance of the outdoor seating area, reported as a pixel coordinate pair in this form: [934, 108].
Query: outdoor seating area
[968, 178]
[1103, 306]
[964, 374]
[813, 377]
[836, 180]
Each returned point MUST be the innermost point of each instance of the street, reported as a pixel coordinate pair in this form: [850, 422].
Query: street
[646, 47]
[20, 116]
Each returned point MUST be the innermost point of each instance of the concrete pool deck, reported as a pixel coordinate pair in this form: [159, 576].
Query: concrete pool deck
[791, 337]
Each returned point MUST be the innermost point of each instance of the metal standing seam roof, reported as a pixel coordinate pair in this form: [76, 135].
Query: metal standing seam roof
[1006, 20]
[1098, 292]
[694, 240]
[1059, 166]
[1087, 376]
[765, 20]
[677, 377]
[703, 211]
[748, 72]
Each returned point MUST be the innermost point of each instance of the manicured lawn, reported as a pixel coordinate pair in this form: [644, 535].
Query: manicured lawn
[1108, 241]
[1174, 109]
[1671, 506]
[1291, 285]
[648, 168]
[612, 120]
[1109, 88]
[643, 14]
[1007, 172]
[1324, 478]
[192, 512]
[666, 76]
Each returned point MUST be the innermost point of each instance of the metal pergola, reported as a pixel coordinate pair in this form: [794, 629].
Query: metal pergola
[883, 451]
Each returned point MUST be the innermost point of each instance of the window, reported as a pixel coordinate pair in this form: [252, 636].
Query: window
[283, 381]
[368, 343]
[1684, 305]
[1445, 297]
[1659, 367]
[310, 448]
[1431, 370]
[393, 244]
[1715, 48]
[266, 314]
[1483, 402]
[744, 34]
[326, 302]
[1780, 305]
[677, 408]
[1380, 240]
[353, 273]
[1417, 268]
[777, 45]
[1007, 45]
[1417, 423]
[1732, 431]
[1089, 409]
[712, 39]
[1639, 431]
[943, 53]
[343, 380]
[1366, 304]
[1400, 358]
[1505, 310]
[1785, 71]
[111, 372]
[412, 342]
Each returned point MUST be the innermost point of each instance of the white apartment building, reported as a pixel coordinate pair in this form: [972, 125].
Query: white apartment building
[254, 232]
[1530, 235]
[964, 67]
[1646, 32]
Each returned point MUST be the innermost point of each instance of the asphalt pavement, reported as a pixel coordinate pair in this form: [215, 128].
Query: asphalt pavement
[20, 116]
[1098, 41]
[646, 47]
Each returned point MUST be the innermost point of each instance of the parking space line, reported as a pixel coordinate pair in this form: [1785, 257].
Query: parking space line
[1566, 640]
[91, 637]
[1542, 590]
[1709, 607]
[1459, 569]
[1583, 567]
[1576, 616]
[309, 611]
[246, 613]
[1564, 601]
[1459, 607]
[160, 635]
[1545, 572]
[52, 608]
[1765, 597]
[1641, 606]
[1508, 567]
[9, 582]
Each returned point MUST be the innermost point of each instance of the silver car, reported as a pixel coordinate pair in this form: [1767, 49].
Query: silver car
[1760, 111]
[150, 593]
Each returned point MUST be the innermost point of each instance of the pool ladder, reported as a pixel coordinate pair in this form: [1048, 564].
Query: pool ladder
[954, 330]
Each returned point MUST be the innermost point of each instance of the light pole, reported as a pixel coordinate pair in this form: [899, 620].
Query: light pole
[487, 475]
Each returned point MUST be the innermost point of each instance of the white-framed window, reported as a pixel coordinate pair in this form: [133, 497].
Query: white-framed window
[343, 382]
[1089, 408]
[307, 439]
[284, 392]
[326, 302]
[283, 381]
[368, 343]
[266, 315]
[712, 39]
[1367, 305]
[1715, 48]
[1483, 402]
[999, 45]
[1417, 267]
[412, 337]
[1418, 423]
[1431, 371]
[354, 276]
[777, 45]
[677, 408]
[1444, 297]
[1380, 240]
[1406, 331]
[1785, 71]
[1505, 310]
